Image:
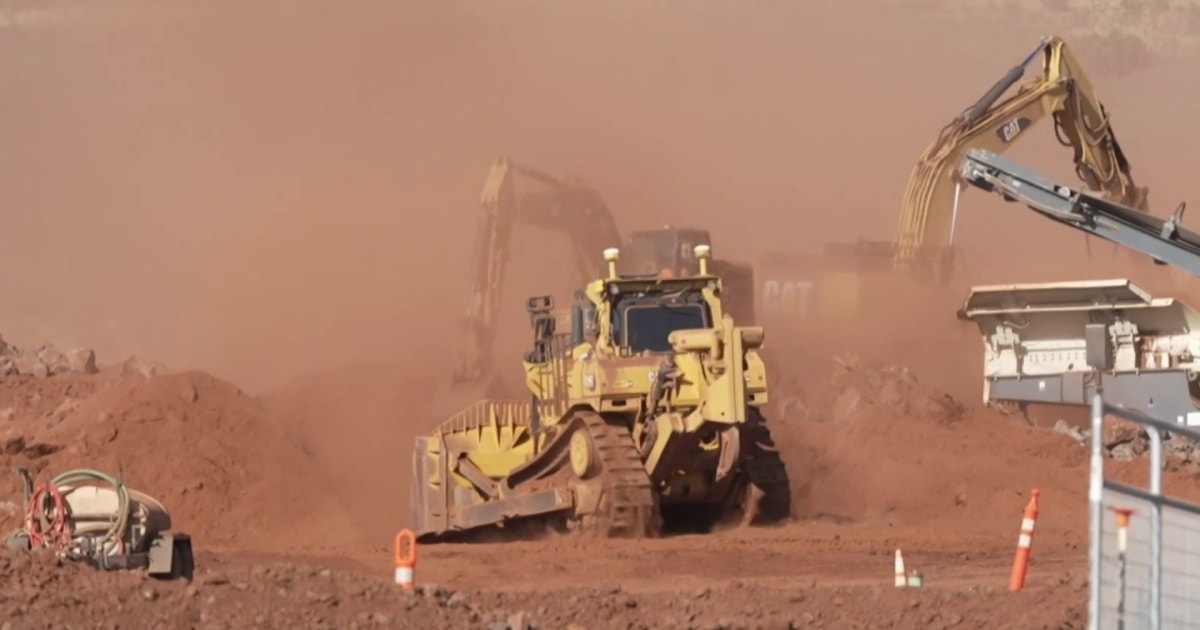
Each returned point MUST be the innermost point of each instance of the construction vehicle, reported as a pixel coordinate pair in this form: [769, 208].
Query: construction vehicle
[94, 518]
[928, 217]
[572, 207]
[1043, 341]
[923, 252]
[645, 414]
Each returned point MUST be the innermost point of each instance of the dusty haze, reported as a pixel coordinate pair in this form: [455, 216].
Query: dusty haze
[280, 187]
[284, 194]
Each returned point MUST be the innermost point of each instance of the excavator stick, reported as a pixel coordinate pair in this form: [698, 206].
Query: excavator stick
[924, 253]
[1063, 91]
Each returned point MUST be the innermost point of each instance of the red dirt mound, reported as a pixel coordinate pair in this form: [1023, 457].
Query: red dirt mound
[878, 447]
[228, 472]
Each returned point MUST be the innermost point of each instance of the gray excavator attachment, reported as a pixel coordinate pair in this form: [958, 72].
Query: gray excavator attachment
[1054, 343]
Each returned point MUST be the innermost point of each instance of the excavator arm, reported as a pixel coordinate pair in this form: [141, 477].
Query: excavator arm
[927, 221]
[563, 206]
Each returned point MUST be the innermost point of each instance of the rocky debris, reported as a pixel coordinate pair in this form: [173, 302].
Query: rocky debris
[26, 365]
[1125, 441]
[81, 361]
[136, 366]
[1075, 433]
[1119, 432]
[31, 450]
[857, 385]
[47, 360]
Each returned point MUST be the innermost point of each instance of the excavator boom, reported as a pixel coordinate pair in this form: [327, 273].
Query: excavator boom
[578, 211]
[1063, 91]
[563, 206]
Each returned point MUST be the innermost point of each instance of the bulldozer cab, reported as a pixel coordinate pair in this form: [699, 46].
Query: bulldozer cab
[644, 323]
[666, 252]
[641, 322]
[619, 317]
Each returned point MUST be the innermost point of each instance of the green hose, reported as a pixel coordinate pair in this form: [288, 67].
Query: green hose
[116, 532]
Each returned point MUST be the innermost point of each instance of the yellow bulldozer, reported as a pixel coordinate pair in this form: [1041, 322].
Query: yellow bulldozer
[644, 416]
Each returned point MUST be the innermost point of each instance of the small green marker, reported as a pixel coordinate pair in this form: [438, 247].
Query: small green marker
[914, 579]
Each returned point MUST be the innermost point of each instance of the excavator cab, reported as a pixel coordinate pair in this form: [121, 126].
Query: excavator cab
[666, 252]
[669, 252]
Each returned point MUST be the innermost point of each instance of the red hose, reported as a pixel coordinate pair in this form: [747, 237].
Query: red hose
[57, 532]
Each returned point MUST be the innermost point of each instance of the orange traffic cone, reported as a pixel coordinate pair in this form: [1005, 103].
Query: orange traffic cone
[406, 559]
[1024, 543]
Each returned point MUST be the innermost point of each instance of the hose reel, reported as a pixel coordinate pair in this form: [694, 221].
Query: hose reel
[88, 516]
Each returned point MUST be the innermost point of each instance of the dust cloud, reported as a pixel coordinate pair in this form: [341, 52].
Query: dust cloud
[266, 190]
[284, 194]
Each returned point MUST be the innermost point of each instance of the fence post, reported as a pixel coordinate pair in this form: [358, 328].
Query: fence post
[1122, 546]
[1156, 466]
[1095, 511]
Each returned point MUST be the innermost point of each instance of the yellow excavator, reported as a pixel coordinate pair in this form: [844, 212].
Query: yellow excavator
[571, 207]
[924, 245]
[925, 233]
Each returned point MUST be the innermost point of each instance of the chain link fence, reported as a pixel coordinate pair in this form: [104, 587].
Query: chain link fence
[1144, 545]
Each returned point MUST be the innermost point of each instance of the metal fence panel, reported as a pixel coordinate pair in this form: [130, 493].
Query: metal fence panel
[1137, 565]
[1181, 568]
[1129, 599]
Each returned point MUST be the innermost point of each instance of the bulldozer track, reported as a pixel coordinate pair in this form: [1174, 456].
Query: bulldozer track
[628, 505]
[767, 472]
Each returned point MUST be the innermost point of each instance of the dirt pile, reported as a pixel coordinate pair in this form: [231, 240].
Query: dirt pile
[876, 446]
[228, 471]
[856, 387]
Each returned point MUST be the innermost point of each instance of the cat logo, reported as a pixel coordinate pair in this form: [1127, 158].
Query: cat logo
[786, 296]
[1013, 128]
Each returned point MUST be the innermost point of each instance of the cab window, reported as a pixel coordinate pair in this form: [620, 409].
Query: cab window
[647, 326]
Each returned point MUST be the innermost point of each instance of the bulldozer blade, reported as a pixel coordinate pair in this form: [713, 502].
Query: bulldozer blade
[430, 494]
[502, 510]
[441, 506]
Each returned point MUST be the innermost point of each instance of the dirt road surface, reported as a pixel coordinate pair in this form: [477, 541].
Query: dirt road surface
[276, 200]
